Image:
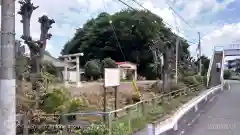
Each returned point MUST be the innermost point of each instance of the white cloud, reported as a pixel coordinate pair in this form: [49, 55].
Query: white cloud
[225, 35]
[192, 9]
[166, 14]
[70, 14]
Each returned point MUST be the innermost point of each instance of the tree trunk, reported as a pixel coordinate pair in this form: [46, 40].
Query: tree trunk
[165, 73]
[35, 76]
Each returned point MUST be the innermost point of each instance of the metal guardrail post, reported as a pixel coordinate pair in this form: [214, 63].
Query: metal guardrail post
[154, 102]
[64, 123]
[143, 109]
[129, 111]
[109, 123]
[25, 125]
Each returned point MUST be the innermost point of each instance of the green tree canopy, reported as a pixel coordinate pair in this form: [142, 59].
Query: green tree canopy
[108, 63]
[92, 69]
[205, 64]
[125, 35]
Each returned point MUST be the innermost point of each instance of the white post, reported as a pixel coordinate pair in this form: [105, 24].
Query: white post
[65, 72]
[78, 78]
[7, 69]
[177, 44]
[135, 74]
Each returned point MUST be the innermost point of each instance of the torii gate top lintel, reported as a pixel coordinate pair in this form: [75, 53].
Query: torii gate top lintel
[72, 55]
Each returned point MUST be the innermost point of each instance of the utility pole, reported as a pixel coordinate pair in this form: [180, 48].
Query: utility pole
[200, 54]
[176, 70]
[7, 69]
[177, 48]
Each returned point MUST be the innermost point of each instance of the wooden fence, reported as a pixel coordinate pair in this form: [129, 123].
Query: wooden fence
[132, 116]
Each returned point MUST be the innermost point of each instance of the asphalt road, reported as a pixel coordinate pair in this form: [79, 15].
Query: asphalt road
[222, 117]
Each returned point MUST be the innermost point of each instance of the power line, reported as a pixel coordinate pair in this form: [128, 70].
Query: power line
[192, 42]
[126, 5]
[178, 14]
[199, 47]
[139, 4]
[166, 1]
[151, 13]
[114, 32]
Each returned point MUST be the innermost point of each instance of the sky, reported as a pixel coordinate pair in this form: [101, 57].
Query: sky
[216, 20]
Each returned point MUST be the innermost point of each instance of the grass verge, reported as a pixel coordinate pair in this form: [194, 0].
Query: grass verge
[137, 119]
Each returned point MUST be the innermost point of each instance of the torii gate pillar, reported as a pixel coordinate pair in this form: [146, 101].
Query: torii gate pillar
[68, 58]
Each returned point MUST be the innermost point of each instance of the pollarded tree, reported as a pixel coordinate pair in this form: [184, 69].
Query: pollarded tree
[164, 44]
[37, 48]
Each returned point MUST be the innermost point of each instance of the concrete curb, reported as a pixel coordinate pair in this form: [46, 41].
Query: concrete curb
[184, 117]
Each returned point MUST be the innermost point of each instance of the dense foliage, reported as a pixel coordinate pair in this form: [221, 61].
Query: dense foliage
[95, 68]
[125, 35]
[227, 74]
[205, 63]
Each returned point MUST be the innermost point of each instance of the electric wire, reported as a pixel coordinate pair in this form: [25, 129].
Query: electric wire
[170, 6]
[166, 1]
[121, 1]
[114, 32]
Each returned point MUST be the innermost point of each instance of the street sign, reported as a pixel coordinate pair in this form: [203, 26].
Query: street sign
[111, 77]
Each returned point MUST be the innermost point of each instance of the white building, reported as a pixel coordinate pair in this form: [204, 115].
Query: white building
[127, 68]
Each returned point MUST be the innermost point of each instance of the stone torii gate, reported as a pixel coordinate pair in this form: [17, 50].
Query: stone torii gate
[72, 58]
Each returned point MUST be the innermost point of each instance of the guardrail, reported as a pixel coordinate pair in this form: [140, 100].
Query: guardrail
[127, 115]
[159, 128]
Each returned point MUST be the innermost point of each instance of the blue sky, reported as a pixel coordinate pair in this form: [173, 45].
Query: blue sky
[217, 20]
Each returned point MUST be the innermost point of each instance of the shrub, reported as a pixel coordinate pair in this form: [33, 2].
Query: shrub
[75, 105]
[108, 63]
[174, 86]
[152, 71]
[95, 129]
[92, 69]
[53, 100]
[190, 80]
[189, 73]
[156, 87]
[58, 100]
[120, 129]
[133, 99]
[227, 74]
[199, 78]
